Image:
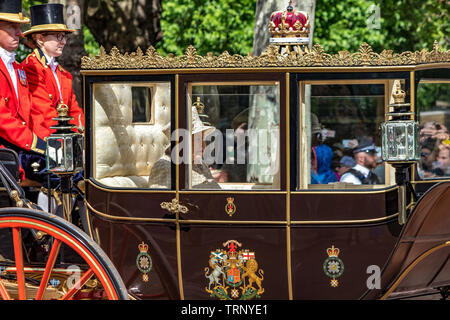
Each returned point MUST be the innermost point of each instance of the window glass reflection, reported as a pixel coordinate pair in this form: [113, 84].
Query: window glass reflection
[235, 136]
[141, 104]
[433, 102]
[343, 129]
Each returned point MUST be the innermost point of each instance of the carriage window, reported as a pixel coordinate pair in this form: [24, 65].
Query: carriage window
[235, 140]
[341, 136]
[433, 103]
[142, 104]
[129, 150]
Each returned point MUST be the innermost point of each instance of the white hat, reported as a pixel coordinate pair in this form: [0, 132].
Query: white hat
[197, 124]
[316, 127]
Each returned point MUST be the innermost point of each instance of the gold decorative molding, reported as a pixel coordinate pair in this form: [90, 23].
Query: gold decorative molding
[271, 57]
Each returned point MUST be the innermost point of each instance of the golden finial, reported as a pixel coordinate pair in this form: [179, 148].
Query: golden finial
[14, 194]
[35, 166]
[399, 94]
[199, 105]
[63, 110]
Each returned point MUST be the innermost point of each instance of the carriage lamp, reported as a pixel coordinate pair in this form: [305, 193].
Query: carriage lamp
[400, 147]
[64, 147]
[65, 155]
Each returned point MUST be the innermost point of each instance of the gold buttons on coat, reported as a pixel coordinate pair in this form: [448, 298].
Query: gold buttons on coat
[6, 99]
[50, 96]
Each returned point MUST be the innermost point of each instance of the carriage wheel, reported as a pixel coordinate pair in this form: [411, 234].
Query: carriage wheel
[60, 232]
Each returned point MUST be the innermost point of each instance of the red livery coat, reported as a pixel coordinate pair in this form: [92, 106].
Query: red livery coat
[45, 93]
[18, 118]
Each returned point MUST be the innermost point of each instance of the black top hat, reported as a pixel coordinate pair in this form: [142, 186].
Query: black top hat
[11, 10]
[47, 17]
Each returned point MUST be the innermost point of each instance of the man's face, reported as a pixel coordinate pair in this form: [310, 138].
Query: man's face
[10, 33]
[444, 158]
[370, 160]
[425, 156]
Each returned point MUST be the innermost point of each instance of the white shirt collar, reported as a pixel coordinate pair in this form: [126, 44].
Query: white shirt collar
[51, 61]
[7, 57]
[362, 169]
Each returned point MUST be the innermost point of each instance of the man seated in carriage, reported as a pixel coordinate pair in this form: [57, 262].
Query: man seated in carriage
[19, 119]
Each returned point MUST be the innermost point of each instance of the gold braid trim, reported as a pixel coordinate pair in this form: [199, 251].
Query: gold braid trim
[271, 57]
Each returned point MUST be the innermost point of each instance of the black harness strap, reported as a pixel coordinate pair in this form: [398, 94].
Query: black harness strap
[370, 179]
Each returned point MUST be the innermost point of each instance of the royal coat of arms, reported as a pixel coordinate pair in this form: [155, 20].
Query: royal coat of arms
[233, 273]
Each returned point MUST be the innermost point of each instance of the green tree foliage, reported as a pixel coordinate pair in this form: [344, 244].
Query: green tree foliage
[90, 45]
[228, 25]
[343, 25]
[429, 95]
[210, 26]
[399, 25]
[416, 24]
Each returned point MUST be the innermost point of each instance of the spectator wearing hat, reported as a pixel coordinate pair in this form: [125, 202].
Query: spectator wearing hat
[345, 164]
[361, 173]
[18, 118]
[50, 84]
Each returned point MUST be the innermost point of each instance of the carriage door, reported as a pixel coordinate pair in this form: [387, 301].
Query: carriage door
[342, 227]
[433, 108]
[232, 137]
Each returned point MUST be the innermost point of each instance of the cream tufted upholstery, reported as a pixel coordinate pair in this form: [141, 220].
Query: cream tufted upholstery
[125, 152]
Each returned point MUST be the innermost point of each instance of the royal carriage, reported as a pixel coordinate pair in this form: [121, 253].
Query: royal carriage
[258, 224]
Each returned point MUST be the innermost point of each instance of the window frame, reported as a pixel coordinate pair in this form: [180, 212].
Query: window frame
[234, 79]
[188, 184]
[89, 96]
[428, 76]
[300, 172]
[151, 88]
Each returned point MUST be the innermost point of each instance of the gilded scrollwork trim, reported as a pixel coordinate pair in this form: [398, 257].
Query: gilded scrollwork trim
[271, 57]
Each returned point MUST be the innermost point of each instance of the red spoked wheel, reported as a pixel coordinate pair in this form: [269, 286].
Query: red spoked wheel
[96, 265]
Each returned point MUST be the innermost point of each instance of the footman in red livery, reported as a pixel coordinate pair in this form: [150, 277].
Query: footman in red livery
[18, 117]
[50, 84]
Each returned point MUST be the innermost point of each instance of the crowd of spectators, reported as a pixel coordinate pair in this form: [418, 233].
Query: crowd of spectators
[434, 142]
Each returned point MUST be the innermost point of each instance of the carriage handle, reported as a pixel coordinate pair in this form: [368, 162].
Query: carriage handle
[174, 207]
